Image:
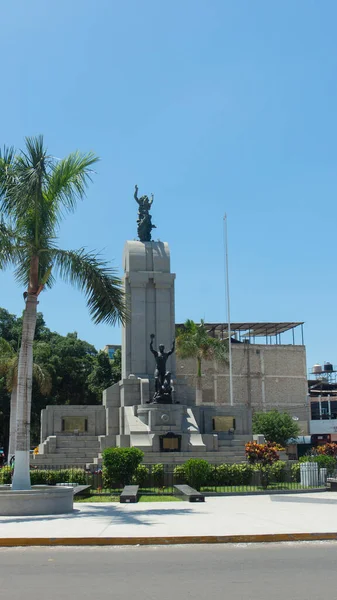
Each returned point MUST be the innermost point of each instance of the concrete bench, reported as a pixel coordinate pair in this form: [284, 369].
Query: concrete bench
[129, 494]
[188, 493]
[78, 489]
[332, 481]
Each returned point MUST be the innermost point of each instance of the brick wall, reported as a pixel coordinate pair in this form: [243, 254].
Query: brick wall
[264, 377]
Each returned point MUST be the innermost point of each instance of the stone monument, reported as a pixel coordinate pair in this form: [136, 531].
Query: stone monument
[134, 406]
[151, 408]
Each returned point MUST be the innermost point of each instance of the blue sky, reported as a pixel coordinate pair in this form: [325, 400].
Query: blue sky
[218, 106]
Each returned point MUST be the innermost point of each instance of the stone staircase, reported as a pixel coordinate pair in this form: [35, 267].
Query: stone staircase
[84, 451]
[67, 451]
[230, 451]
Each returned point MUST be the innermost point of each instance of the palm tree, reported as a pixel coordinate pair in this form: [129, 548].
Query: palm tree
[36, 190]
[193, 341]
[9, 361]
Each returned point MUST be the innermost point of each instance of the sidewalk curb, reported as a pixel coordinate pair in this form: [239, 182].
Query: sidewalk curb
[167, 541]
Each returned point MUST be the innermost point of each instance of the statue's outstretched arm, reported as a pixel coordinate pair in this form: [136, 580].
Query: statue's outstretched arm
[151, 201]
[172, 349]
[154, 352]
[136, 194]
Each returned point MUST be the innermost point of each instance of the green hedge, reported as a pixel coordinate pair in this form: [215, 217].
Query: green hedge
[141, 476]
[197, 474]
[5, 475]
[235, 474]
[120, 466]
[157, 472]
[48, 477]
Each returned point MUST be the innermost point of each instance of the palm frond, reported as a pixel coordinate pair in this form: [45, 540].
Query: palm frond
[6, 350]
[43, 379]
[12, 372]
[69, 180]
[194, 341]
[26, 179]
[8, 246]
[6, 165]
[91, 274]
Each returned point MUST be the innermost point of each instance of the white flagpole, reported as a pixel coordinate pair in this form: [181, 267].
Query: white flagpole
[228, 313]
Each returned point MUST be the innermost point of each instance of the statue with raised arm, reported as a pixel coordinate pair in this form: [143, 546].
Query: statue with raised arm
[144, 221]
[162, 377]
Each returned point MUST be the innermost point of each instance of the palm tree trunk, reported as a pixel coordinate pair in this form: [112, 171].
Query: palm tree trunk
[198, 391]
[12, 424]
[21, 478]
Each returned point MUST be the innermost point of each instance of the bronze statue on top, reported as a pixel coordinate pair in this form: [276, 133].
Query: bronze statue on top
[144, 220]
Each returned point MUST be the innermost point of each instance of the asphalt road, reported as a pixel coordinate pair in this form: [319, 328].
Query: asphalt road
[254, 572]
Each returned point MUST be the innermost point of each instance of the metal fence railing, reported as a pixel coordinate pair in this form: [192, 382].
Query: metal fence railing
[155, 479]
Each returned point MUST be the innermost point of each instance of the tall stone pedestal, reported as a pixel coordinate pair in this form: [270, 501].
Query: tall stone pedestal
[149, 286]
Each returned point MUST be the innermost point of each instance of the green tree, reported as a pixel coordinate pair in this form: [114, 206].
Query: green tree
[36, 191]
[9, 369]
[101, 376]
[116, 366]
[276, 426]
[70, 362]
[193, 341]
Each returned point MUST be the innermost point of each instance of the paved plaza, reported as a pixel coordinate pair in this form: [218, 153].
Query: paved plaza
[225, 516]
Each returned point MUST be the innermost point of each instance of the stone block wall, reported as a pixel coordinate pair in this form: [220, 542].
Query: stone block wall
[264, 377]
[51, 419]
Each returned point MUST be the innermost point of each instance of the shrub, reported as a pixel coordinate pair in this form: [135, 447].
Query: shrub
[236, 474]
[179, 474]
[158, 475]
[120, 465]
[265, 454]
[141, 475]
[197, 472]
[213, 475]
[242, 473]
[52, 477]
[223, 475]
[296, 472]
[277, 471]
[275, 426]
[5, 475]
[48, 477]
[327, 450]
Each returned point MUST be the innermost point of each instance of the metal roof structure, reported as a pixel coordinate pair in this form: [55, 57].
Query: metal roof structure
[253, 329]
[249, 330]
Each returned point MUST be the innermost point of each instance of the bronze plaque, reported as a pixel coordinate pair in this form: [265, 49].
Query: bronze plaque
[223, 423]
[171, 443]
[70, 424]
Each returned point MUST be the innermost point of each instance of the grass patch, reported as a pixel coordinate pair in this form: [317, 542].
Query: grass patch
[148, 498]
[142, 498]
[96, 498]
[257, 488]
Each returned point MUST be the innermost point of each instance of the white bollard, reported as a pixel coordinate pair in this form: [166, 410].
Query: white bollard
[309, 474]
[323, 474]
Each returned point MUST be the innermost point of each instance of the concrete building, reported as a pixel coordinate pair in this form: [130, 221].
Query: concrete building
[322, 388]
[110, 349]
[269, 374]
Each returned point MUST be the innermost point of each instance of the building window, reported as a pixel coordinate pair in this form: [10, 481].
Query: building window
[315, 414]
[333, 409]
